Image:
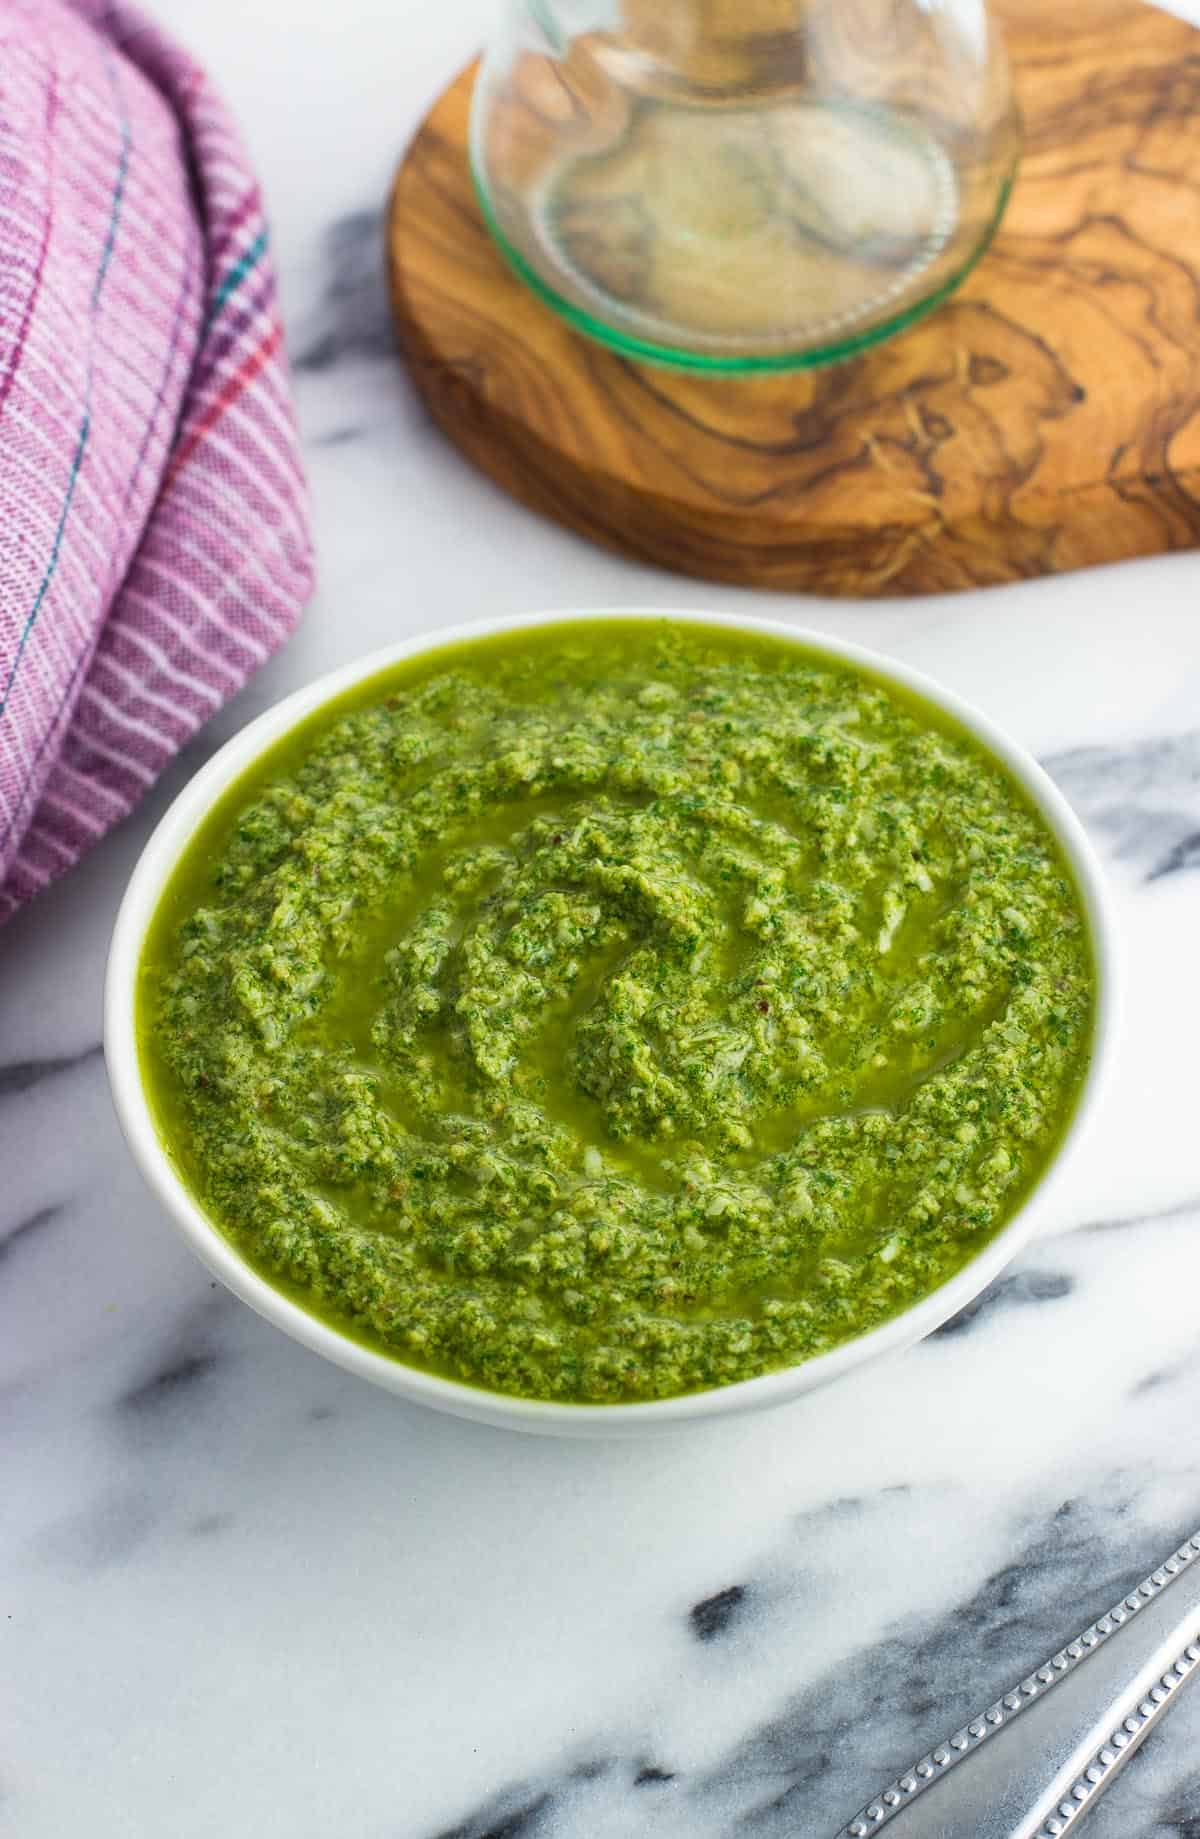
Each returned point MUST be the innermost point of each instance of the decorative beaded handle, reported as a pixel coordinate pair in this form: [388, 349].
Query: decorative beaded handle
[1074, 1734]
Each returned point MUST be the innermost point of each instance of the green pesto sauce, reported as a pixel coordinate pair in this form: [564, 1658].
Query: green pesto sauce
[616, 1009]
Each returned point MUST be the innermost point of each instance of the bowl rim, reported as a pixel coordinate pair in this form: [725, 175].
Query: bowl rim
[175, 830]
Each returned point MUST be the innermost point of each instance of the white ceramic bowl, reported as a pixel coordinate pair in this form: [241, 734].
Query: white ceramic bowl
[193, 804]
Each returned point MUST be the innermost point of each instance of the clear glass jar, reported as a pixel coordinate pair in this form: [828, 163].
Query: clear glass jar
[743, 184]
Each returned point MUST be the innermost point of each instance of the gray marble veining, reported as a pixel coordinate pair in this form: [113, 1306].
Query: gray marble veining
[1143, 799]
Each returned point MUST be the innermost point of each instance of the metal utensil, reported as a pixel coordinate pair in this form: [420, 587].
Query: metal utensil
[1040, 1756]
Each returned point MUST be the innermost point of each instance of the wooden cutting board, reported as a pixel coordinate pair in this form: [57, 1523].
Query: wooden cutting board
[1047, 418]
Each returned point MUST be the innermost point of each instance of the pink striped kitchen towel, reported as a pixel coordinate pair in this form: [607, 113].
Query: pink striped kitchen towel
[154, 545]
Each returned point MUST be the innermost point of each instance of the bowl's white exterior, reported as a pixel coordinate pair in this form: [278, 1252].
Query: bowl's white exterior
[120, 1045]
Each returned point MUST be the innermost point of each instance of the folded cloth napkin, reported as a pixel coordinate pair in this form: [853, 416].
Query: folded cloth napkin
[154, 545]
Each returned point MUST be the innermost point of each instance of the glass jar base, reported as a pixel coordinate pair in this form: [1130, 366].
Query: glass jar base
[803, 346]
[716, 230]
[739, 187]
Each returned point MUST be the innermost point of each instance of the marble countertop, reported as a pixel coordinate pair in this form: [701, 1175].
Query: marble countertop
[244, 1594]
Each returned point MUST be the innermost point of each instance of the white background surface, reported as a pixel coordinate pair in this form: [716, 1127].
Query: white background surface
[243, 1595]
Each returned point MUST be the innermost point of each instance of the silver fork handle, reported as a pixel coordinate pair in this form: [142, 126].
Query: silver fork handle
[1040, 1756]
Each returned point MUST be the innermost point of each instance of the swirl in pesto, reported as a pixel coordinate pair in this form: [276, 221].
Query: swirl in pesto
[616, 1009]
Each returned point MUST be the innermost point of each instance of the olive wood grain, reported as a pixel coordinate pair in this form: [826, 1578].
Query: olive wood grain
[1047, 418]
